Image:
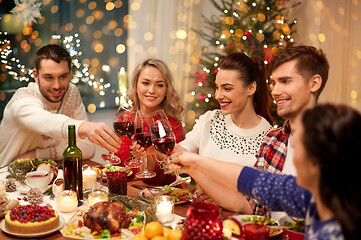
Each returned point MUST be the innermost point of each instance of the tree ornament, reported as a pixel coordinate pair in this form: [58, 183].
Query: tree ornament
[27, 10]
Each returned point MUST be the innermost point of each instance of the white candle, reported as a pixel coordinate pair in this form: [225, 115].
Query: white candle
[165, 208]
[89, 178]
[97, 196]
[67, 201]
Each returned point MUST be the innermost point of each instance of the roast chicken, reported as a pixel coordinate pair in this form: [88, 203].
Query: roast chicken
[107, 215]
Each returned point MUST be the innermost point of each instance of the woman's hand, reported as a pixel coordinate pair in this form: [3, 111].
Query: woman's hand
[203, 196]
[137, 151]
[183, 161]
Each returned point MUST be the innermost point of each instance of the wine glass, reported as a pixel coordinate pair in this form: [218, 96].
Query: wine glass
[163, 137]
[142, 136]
[161, 132]
[124, 127]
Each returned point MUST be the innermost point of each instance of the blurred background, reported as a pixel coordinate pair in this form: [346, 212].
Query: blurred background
[108, 38]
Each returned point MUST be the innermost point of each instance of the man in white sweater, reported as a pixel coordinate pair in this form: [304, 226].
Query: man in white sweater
[35, 121]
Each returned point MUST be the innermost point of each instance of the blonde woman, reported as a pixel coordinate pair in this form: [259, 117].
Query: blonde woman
[152, 90]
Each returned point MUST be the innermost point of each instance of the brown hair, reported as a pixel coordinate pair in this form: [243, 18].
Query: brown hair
[171, 103]
[331, 137]
[251, 70]
[53, 52]
[310, 61]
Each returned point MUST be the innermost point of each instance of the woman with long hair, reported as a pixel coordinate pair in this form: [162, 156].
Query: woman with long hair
[152, 89]
[235, 132]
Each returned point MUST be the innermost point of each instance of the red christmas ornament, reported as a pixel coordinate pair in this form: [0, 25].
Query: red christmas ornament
[201, 78]
[215, 71]
[230, 46]
[248, 35]
[268, 54]
[202, 98]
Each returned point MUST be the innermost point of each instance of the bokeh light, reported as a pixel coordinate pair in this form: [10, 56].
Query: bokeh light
[120, 48]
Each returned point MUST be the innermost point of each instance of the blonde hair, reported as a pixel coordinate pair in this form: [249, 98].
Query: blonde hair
[171, 103]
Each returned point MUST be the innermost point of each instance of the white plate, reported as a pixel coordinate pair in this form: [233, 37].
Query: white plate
[33, 235]
[23, 189]
[142, 194]
[239, 217]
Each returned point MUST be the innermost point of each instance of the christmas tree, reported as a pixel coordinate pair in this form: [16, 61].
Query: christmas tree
[251, 26]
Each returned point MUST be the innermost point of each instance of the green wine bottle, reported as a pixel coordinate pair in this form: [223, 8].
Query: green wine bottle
[72, 166]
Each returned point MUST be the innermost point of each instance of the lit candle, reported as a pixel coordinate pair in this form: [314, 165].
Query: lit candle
[89, 178]
[165, 208]
[67, 201]
[97, 196]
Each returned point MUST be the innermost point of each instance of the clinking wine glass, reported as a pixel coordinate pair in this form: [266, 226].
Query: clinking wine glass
[163, 137]
[123, 124]
[142, 136]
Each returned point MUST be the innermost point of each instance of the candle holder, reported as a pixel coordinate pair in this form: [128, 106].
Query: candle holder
[164, 208]
[67, 201]
[97, 196]
[117, 182]
[203, 222]
[89, 178]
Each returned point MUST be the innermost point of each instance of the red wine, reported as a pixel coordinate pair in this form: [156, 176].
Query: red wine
[143, 139]
[124, 128]
[164, 145]
[39, 175]
[72, 166]
[155, 131]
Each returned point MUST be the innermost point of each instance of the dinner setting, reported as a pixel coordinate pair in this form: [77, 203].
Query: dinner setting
[180, 120]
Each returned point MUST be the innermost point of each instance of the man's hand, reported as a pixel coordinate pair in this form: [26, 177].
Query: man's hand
[30, 154]
[101, 134]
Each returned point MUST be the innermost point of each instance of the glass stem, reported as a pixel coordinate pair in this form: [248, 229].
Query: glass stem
[145, 159]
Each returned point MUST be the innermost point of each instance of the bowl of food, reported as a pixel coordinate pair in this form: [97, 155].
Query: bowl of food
[38, 179]
[297, 232]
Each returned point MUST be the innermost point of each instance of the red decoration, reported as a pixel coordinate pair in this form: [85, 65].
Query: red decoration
[268, 54]
[215, 71]
[248, 35]
[202, 98]
[230, 46]
[201, 78]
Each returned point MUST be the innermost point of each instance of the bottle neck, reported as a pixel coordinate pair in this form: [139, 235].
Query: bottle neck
[71, 137]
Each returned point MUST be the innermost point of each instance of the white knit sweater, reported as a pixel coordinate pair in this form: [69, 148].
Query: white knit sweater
[32, 122]
[216, 136]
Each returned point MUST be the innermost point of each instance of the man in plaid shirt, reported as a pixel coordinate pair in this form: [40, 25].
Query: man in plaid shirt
[298, 76]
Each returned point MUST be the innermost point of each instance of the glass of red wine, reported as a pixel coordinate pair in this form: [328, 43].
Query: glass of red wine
[163, 137]
[142, 137]
[123, 125]
[161, 132]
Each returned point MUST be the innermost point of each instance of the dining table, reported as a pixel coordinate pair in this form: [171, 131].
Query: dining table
[134, 187]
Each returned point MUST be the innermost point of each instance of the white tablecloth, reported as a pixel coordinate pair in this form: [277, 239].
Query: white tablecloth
[17, 195]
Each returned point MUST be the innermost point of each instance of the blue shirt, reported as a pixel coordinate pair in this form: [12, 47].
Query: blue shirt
[281, 193]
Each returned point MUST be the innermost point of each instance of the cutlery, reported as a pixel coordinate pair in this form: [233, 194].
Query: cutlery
[52, 170]
[179, 181]
[139, 186]
[279, 226]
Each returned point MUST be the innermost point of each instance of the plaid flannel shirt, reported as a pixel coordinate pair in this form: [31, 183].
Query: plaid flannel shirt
[271, 158]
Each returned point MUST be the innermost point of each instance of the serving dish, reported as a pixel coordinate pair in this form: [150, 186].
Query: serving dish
[181, 195]
[32, 235]
[244, 219]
